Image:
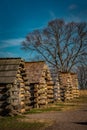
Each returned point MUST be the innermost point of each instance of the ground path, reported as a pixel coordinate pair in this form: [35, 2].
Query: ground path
[66, 120]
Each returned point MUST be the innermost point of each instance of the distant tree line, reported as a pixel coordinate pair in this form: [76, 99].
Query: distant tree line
[82, 77]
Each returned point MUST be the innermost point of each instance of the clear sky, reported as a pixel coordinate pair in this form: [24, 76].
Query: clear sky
[19, 17]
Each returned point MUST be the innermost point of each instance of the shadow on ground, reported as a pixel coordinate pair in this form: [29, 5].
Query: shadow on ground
[81, 123]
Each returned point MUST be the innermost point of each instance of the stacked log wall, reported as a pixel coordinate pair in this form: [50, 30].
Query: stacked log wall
[75, 89]
[55, 85]
[65, 86]
[57, 91]
[42, 94]
[4, 99]
[50, 87]
[38, 95]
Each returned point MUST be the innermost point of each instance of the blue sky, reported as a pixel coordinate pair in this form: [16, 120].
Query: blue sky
[19, 17]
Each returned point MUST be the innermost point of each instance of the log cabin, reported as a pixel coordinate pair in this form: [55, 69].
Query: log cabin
[41, 84]
[14, 90]
[68, 86]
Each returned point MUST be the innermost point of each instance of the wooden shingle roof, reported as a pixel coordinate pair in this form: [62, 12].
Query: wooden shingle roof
[34, 71]
[8, 69]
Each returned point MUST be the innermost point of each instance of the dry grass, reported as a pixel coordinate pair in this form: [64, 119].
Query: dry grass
[14, 123]
[83, 92]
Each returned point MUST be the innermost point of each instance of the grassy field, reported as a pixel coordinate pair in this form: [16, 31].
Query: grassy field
[15, 123]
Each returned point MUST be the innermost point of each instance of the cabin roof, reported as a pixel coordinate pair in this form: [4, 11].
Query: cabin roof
[34, 70]
[8, 69]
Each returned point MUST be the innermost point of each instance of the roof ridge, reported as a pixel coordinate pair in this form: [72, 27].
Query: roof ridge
[33, 61]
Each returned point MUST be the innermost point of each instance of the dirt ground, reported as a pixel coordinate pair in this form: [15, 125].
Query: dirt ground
[66, 120]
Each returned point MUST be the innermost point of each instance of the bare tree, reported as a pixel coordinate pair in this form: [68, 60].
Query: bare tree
[61, 44]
